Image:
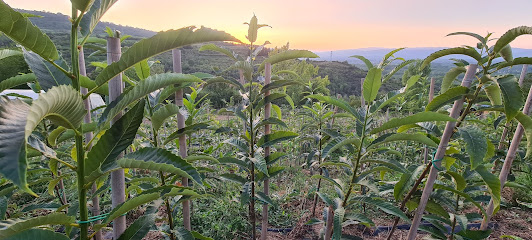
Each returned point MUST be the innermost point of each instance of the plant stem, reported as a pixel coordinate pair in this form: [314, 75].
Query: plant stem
[359, 154]
[321, 171]
[161, 175]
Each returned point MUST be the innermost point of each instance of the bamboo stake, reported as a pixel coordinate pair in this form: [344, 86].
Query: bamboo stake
[507, 125]
[267, 130]
[440, 153]
[88, 137]
[176, 54]
[329, 224]
[431, 96]
[118, 184]
[510, 156]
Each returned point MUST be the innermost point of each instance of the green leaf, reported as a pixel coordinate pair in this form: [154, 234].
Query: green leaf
[475, 234]
[416, 137]
[447, 97]
[262, 197]
[62, 105]
[462, 194]
[360, 218]
[494, 94]
[372, 84]
[241, 145]
[144, 88]
[418, 117]
[509, 36]
[368, 63]
[15, 226]
[384, 206]
[506, 53]
[512, 95]
[114, 141]
[476, 145]
[5, 53]
[213, 47]
[459, 180]
[223, 80]
[37, 233]
[396, 69]
[516, 61]
[186, 130]
[162, 114]
[82, 5]
[260, 164]
[268, 99]
[158, 159]
[138, 229]
[526, 122]
[412, 80]
[47, 74]
[22, 31]
[287, 55]
[93, 16]
[90, 85]
[234, 177]
[142, 69]
[339, 103]
[478, 37]
[161, 42]
[404, 183]
[337, 143]
[17, 80]
[337, 222]
[457, 50]
[450, 76]
[279, 83]
[328, 179]
[493, 183]
[128, 205]
[231, 160]
[273, 138]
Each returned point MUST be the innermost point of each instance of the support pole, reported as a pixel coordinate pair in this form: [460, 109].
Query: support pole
[88, 137]
[510, 155]
[431, 96]
[118, 184]
[176, 55]
[362, 100]
[440, 153]
[267, 130]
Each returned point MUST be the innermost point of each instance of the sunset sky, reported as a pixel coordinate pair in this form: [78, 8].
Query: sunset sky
[324, 25]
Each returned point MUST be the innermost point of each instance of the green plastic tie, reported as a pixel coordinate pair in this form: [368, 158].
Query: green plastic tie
[434, 161]
[96, 218]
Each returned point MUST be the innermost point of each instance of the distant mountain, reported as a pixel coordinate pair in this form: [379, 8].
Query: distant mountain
[57, 22]
[375, 54]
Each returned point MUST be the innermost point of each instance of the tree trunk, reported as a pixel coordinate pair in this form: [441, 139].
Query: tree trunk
[118, 185]
[176, 53]
[440, 153]
[267, 130]
[510, 156]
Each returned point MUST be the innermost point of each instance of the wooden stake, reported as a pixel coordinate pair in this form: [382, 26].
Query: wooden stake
[440, 153]
[176, 54]
[118, 184]
[267, 130]
[510, 155]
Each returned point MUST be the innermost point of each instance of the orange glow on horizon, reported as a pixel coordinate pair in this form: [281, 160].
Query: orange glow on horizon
[318, 25]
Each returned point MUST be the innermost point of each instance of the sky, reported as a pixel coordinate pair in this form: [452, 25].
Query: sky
[324, 25]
